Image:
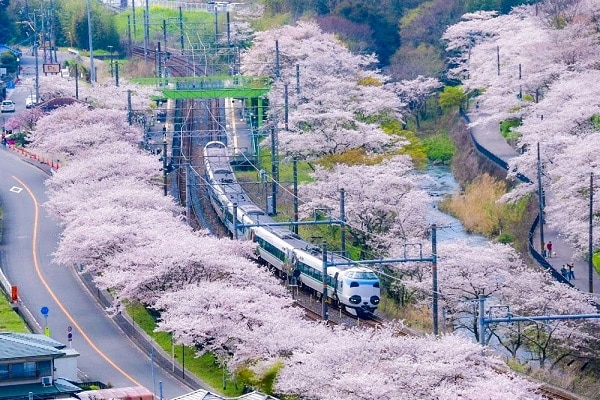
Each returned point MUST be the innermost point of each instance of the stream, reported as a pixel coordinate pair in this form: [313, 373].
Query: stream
[439, 182]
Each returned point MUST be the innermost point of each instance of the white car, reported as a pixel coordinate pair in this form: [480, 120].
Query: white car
[7, 106]
[30, 101]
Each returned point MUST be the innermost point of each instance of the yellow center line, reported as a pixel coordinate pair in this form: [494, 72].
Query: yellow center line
[64, 310]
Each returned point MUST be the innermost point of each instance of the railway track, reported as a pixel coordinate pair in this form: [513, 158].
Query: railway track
[555, 393]
[177, 65]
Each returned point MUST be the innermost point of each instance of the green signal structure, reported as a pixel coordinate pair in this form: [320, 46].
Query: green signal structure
[209, 87]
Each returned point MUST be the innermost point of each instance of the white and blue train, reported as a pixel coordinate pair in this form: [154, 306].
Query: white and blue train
[352, 287]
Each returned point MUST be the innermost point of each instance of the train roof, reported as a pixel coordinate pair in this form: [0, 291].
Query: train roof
[218, 165]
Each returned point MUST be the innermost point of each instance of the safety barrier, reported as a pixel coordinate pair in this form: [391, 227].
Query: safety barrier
[49, 161]
[500, 162]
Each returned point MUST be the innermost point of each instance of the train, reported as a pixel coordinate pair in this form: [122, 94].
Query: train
[352, 287]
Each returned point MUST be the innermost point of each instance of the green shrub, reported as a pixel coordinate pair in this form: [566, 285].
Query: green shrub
[505, 238]
[440, 148]
[506, 128]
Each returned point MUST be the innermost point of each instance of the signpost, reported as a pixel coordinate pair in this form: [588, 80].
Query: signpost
[44, 310]
[51, 68]
[69, 335]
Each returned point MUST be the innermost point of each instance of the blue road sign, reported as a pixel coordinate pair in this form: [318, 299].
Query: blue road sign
[44, 311]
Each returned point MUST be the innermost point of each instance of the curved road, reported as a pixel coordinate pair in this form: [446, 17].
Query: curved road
[29, 238]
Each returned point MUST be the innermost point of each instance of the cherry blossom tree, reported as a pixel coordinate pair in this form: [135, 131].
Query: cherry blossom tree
[414, 94]
[552, 93]
[495, 271]
[366, 365]
[379, 199]
[76, 128]
[25, 120]
[318, 115]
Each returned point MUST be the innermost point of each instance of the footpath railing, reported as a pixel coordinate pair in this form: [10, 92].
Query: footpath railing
[503, 164]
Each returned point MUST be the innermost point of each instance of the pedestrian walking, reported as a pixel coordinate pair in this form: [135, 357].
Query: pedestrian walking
[570, 271]
[564, 272]
[549, 248]
[544, 249]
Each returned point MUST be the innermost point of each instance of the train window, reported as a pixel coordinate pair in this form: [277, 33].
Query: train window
[353, 284]
[361, 275]
[376, 284]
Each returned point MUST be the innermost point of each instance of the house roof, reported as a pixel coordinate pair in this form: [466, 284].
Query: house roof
[202, 394]
[59, 387]
[15, 346]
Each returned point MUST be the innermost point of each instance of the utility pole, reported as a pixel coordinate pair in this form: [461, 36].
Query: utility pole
[164, 160]
[274, 174]
[286, 105]
[590, 242]
[297, 79]
[295, 174]
[129, 43]
[37, 70]
[343, 221]
[76, 82]
[92, 69]
[277, 65]
[111, 60]
[434, 279]
[181, 28]
[541, 199]
[325, 311]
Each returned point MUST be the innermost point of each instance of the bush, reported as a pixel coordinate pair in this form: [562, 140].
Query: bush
[506, 128]
[440, 148]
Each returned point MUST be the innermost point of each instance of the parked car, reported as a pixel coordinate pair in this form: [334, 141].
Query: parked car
[30, 101]
[7, 106]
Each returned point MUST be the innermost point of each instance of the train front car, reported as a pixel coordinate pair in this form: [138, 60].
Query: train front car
[354, 288]
[359, 291]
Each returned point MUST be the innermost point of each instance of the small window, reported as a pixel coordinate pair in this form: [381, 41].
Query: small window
[353, 284]
[29, 370]
[4, 371]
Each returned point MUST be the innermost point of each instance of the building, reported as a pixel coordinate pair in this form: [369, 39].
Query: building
[36, 365]
[202, 394]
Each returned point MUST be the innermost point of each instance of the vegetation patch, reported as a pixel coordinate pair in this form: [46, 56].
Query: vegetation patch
[440, 148]
[507, 128]
[480, 211]
[415, 147]
[206, 366]
[10, 321]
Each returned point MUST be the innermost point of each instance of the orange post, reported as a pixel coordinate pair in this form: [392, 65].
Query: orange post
[14, 294]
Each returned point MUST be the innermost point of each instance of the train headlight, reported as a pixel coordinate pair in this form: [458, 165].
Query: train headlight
[375, 300]
[355, 299]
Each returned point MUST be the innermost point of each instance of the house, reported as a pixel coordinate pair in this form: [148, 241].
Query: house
[36, 365]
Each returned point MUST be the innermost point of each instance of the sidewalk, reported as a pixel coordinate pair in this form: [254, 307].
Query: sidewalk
[488, 136]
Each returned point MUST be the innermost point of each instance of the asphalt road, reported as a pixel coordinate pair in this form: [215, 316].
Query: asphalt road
[29, 238]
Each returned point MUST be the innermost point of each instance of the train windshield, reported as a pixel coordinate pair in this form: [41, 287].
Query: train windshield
[361, 275]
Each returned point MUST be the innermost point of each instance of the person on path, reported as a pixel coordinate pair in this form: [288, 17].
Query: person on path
[570, 272]
[549, 249]
[543, 249]
[564, 272]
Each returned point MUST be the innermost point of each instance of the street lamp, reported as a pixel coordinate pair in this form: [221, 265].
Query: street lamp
[111, 60]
